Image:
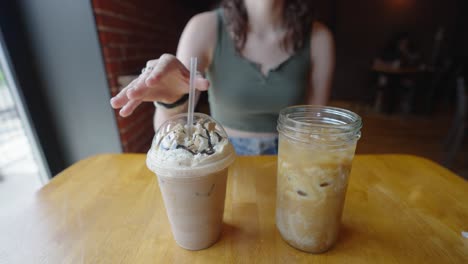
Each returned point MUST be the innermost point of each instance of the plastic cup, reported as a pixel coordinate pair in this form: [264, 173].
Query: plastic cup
[193, 194]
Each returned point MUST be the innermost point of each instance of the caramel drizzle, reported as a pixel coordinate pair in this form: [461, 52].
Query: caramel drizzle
[210, 150]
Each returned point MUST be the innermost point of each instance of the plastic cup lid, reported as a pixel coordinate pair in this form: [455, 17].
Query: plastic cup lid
[202, 163]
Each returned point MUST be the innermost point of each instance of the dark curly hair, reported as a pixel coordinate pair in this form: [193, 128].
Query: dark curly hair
[298, 16]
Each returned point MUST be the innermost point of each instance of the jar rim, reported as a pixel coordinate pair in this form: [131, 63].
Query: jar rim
[307, 122]
[354, 124]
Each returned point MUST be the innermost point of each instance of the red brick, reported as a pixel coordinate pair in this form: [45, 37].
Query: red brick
[133, 66]
[114, 91]
[148, 37]
[113, 67]
[141, 140]
[135, 136]
[129, 51]
[118, 21]
[130, 17]
[143, 144]
[112, 82]
[116, 7]
[112, 22]
[135, 129]
[132, 32]
[112, 38]
[130, 12]
[144, 113]
[112, 52]
[128, 4]
[123, 122]
[99, 3]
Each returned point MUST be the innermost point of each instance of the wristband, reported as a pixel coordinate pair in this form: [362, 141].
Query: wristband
[179, 102]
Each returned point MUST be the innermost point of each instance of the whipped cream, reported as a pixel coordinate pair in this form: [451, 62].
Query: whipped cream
[175, 147]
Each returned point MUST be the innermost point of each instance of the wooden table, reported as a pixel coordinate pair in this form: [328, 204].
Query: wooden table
[108, 209]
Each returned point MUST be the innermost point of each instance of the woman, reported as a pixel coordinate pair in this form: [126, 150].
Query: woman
[258, 57]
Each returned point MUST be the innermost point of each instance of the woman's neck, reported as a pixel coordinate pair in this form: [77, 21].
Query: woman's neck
[265, 15]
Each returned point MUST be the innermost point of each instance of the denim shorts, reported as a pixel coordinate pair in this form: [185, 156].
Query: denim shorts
[255, 146]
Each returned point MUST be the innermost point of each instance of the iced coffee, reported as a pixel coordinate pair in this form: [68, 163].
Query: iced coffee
[316, 149]
[191, 164]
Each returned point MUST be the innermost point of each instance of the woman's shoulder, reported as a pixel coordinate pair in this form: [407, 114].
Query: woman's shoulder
[321, 37]
[320, 32]
[206, 21]
[199, 36]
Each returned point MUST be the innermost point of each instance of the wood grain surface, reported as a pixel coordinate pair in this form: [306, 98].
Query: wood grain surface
[108, 209]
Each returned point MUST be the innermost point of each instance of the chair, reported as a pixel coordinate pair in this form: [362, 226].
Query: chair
[459, 127]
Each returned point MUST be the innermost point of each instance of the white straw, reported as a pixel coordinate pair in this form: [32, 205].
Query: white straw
[191, 103]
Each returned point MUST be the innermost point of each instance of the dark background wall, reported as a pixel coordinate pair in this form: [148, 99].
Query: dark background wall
[363, 28]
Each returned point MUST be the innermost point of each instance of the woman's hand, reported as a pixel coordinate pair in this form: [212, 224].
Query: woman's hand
[165, 80]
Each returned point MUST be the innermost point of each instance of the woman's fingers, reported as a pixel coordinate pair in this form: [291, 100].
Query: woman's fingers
[163, 67]
[154, 83]
[129, 108]
[175, 75]
[154, 69]
[139, 89]
[120, 99]
[201, 83]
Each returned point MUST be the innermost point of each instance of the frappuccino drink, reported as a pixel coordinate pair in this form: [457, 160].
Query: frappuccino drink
[192, 168]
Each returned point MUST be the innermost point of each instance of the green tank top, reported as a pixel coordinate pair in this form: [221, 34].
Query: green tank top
[242, 97]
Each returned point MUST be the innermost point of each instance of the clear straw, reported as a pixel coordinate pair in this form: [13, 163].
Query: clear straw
[191, 103]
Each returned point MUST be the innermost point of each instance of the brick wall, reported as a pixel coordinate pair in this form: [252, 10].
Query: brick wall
[130, 33]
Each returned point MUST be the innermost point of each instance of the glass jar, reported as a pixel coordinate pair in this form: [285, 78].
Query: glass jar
[316, 149]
